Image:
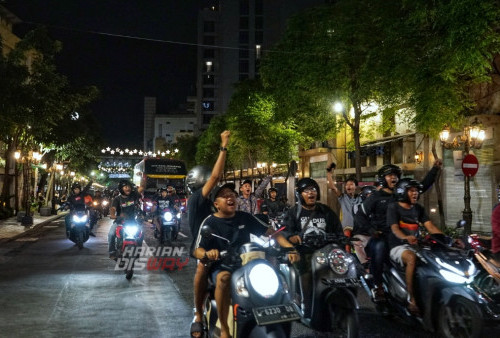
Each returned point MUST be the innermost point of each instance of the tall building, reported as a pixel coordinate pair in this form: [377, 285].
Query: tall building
[233, 35]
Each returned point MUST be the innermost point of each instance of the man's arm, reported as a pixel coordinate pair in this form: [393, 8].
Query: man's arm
[401, 235]
[432, 228]
[331, 183]
[218, 168]
[429, 179]
[260, 189]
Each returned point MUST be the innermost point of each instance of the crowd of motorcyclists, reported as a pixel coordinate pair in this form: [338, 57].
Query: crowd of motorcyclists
[379, 224]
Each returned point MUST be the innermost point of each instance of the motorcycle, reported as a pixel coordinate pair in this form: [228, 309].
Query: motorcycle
[105, 207]
[129, 237]
[487, 282]
[260, 299]
[443, 292]
[335, 280]
[170, 224]
[79, 231]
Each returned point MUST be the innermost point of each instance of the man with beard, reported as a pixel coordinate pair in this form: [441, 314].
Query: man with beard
[310, 216]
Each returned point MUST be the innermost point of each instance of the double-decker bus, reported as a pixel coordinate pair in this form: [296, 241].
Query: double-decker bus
[154, 173]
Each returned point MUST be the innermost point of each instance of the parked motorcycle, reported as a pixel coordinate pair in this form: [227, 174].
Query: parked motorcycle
[335, 280]
[443, 280]
[170, 225]
[79, 231]
[129, 237]
[260, 299]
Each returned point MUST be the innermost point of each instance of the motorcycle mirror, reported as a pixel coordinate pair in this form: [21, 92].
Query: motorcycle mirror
[461, 223]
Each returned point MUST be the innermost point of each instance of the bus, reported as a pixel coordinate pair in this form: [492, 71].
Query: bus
[154, 173]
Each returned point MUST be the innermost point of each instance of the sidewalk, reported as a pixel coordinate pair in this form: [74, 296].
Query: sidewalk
[11, 229]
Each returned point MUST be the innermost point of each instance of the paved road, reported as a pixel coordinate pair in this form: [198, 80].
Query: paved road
[49, 288]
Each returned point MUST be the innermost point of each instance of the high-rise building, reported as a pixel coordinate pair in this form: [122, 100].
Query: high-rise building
[233, 35]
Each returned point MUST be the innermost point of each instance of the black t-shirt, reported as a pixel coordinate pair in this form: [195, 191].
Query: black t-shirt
[163, 203]
[372, 214]
[236, 229]
[273, 208]
[198, 208]
[75, 200]
[407, 219]
[322, 217]
[126, 205]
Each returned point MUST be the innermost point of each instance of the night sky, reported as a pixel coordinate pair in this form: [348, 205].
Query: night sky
[124, 69]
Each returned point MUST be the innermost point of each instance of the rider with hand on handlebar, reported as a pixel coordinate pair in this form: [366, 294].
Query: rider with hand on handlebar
[404, 217]
[237, 227]
[309, 215]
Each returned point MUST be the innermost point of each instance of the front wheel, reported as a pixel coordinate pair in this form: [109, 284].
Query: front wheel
[460, 318]
[79, 240]
[344, 323]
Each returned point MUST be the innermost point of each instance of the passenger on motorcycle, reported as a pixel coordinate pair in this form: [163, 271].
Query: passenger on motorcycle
[124, 206]
[164, 201]
[360, 244]
[78, 197]
[404, 217]
[200, 181]
[237, 225]
[309, 216]
[272, 206]
[371, 220]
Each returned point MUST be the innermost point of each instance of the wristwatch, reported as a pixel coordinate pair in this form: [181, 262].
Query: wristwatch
[223, 149]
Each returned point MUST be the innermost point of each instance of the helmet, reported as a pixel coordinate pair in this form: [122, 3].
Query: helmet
[303, 183]
[387, 170]
[402, 187]
[367, 190]
[76, 185]
[162, 189]
[123, 183]
[197, 177]
[272, 189]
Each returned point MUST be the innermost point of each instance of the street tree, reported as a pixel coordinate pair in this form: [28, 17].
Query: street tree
[35, 98]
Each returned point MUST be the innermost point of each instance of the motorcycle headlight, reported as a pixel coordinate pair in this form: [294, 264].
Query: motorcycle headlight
[454, 275]
[130, 230]
[264, 280]
[168, 216]
[94, 203]
[80, 219]
[339, 261]
[149, 204]
[105, 202]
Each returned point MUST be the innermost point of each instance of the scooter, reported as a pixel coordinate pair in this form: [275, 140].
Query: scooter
[129, 237]
[260, 300]
[334, 282]
[443, 290]
[79, 231]
[487, 281]
[170, 225]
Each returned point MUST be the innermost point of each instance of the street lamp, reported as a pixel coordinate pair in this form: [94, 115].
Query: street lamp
[472, 138]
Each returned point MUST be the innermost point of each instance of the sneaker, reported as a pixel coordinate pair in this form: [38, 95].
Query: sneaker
[378, 294]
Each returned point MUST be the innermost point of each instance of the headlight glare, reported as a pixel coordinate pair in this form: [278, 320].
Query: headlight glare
[130, 230]
[168, 216]
[264, 280]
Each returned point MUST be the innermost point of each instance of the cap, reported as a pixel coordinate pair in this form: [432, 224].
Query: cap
[247, 181]
[215, 191]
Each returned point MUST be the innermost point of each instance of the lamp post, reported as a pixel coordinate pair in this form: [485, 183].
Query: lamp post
[338, 107]
[472, 138]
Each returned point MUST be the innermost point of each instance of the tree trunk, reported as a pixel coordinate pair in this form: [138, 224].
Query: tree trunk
[438, 189]
[7, 178]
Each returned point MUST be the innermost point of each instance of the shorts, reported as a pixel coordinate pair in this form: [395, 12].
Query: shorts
[397, 252]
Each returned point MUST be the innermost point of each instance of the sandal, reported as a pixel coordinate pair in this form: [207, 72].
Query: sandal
[197, 327]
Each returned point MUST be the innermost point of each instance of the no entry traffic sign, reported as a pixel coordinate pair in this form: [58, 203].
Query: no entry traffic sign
[470, 165]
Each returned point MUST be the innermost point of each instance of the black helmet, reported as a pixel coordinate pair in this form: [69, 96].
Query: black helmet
[402, 187]
[76, 185]
[306, 182]
[164, 188]
[197, 177]
[367, 190]
[387, 170]
[123, 183]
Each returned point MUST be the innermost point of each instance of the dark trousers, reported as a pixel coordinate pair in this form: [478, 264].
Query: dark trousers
[378, 250]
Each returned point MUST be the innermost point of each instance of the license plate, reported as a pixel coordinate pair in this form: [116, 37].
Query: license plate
[275, 314]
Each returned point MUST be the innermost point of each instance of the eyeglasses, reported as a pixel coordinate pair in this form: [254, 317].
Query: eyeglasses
[309, 190]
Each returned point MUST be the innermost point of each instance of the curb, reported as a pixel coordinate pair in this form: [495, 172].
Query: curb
[34, 228]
